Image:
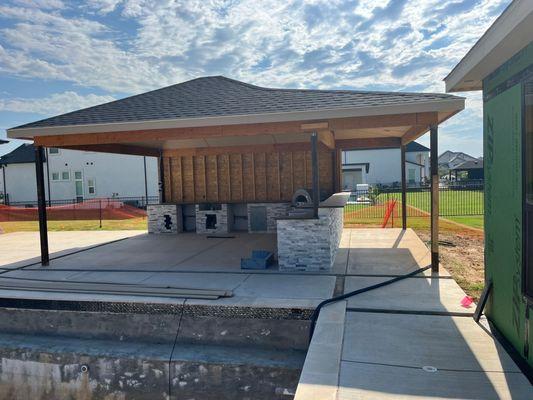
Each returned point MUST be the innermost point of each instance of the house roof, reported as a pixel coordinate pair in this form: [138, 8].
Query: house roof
[415, 147]
[218, 100]
[25, 153]
[510, 33]
[478, 164]
[454, 155]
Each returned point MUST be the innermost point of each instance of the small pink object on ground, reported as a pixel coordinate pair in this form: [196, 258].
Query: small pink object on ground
[467, 301]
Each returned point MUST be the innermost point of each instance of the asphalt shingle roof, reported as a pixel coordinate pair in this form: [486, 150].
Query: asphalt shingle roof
[478, 164]
[220, 96]
[23, 154]
[414, 147]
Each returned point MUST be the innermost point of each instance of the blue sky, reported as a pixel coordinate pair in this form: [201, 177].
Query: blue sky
[57, 56]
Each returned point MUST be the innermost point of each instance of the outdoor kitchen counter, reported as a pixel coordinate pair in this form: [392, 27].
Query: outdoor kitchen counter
[336, 200]
[306, 243]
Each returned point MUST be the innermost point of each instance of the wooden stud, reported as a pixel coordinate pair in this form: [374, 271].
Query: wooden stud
[278, 155]
[242, 177]
[216, 178]
[253, 177]
[388, 142]
[230, 196]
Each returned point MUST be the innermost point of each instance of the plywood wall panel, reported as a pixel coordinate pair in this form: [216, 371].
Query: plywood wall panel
[188, 179]
[223, 178]
[243, 177]
[212, 179]
[236, 184]
[272, 176]
[299, 170]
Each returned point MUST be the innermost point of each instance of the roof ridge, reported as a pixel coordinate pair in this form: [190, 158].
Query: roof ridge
[327, 90]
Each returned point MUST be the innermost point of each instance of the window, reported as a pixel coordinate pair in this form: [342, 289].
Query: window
[53, 150]
[65, 176]
[55, 176]
[412, 175]
[91, 186]
[78, 178]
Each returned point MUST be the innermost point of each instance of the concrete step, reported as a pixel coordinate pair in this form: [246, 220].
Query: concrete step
[40, 367]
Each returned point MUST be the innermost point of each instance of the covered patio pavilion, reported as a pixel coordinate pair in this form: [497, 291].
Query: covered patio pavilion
[221, 141]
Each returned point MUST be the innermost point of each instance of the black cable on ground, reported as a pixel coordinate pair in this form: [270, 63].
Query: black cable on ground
[316, 313]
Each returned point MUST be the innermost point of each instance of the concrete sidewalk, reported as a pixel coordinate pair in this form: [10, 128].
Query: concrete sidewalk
[409, 340]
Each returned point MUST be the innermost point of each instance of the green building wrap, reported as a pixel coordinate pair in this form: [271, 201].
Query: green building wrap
[504, 249]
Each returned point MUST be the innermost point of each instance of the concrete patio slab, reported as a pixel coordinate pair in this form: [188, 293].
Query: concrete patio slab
[182, 252]
[411, 294]
[387, 252]
[287, 287]
[415, 341]
[22, 248]
[369, 382]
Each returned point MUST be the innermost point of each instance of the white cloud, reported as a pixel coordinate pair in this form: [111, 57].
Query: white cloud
[365, 44]
[44, 4]
[103, 6]
[290, 43]
[58, 103]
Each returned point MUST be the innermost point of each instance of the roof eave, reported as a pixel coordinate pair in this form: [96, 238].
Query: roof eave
[510, 33]
[452, 105]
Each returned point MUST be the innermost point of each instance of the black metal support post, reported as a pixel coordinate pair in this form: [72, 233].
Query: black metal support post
[41, 203]
[316, 184]
[162, 198]
[434, 167]
[145, 184]
[404, 188]
[48, 177]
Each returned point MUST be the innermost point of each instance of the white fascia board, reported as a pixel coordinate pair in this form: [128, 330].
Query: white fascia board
[511, 32]
[447, 105]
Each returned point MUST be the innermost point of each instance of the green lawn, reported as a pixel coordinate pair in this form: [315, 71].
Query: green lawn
[451, 202]
[461, 206]
[81, 225]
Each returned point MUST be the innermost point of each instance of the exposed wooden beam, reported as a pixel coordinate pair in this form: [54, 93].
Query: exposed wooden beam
[327, 138]
[160, 135]
[313, 126]
[264, 148]
[414, 133]
[116, 149]
[369, 143]
[383, 121]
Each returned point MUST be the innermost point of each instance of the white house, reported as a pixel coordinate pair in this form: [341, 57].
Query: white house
[382, 166]
[79, 175]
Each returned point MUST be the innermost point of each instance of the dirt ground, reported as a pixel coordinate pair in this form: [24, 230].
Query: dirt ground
[461, 253]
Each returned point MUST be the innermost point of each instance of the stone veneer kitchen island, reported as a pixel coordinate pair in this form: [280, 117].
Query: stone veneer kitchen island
[308, 243]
